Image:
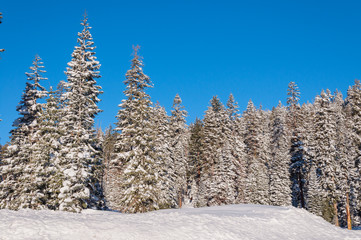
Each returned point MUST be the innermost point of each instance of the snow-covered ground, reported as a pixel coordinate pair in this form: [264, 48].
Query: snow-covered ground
[225, 222]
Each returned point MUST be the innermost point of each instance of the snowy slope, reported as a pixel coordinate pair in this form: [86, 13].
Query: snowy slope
[225, 222]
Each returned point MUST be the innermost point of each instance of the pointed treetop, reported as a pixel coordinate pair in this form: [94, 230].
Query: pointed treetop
[250, 106]
[293, 94]
[136, 49]
[216, 104]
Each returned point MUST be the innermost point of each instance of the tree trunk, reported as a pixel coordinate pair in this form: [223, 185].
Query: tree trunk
[349, 225]
[301, 190]
[180, 200]
[335, 216]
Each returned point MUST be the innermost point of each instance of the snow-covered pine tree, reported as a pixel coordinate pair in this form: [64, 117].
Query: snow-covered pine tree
[216, 156]
[343, 149]
[110, 175]
[80, 158]
[280, 185]
[179, 147]
[135, 146]
[353, 104]
[164, 163]
[194, 163]
[45, 179]
[257, 187]
[18, 161]
[237, 146]
[325, 157]
[297, 166]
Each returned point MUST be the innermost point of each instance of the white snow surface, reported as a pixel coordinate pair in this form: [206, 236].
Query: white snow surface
[223, 222]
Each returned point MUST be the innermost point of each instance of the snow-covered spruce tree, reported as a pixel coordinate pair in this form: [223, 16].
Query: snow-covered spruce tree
[194, 164]
[237, 146]
[353, 104]
[109, 183]
[343, 153]
[80, 159]
[135, 145]
[257, 187]
[179, 147]
[298, 163]
[280, 185]
[325, 158]
[215, 158]
[45, 181]
[164, 163]
[18, 161]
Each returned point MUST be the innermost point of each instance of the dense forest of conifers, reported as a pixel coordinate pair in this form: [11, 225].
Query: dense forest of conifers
[307, 156]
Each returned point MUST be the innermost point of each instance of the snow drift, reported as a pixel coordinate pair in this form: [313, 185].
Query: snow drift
[224, 222]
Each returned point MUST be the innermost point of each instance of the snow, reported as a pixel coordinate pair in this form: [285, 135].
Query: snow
[224, 222]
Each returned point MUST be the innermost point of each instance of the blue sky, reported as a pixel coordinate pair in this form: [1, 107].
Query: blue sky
[195, 48]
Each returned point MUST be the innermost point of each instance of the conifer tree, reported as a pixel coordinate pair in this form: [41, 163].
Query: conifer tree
[280, 185]
[178, 146]
[110, 174]
[80, 158]
[237, 147]
[353, 103]
[194, 168]
[45, 180]
[325, 158]
[298, 163]
[164, 163]
[216, 156]
[17, 164]
[135, 146]
[257, 188]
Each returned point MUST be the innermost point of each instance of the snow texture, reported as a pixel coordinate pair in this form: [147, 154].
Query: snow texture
[222, 222]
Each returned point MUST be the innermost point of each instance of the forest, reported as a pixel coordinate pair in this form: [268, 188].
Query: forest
[306, 156]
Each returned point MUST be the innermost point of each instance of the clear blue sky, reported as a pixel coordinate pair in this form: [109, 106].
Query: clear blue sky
[195, 48]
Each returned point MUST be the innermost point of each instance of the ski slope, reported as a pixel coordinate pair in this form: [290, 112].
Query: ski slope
[224, 222]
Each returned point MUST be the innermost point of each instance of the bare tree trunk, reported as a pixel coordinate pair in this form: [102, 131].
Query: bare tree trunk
[349, 225]
[336, 216]
[180, 199]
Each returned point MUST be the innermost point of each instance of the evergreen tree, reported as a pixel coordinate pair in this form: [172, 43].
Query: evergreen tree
[45, 180]
[353, 103]
[325, 158]
[164, 163]
[257, 186]
[216, 158]
[237, 147]
[280, 185]
[80, 158]
[179, 142]
[194, 163]
[110, 174]
[17, 164]
[135, 146]
[298, 163]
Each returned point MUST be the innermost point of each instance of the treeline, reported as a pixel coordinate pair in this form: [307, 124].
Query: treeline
[307, 156]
